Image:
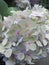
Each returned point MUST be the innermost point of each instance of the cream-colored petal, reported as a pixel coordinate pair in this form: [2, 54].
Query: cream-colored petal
[8, 53]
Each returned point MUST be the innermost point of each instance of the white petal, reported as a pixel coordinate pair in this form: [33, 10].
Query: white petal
[19, 41]
[3, 28]
[29, 60]
[8, 45]
[20, 56]
[31, 46]
[4, 42]
[1, 49]
[27, 49]
[47, 36]
[35, 57]
[47, 27]
[13, 43]
[7, 31]
[40, 52]
[39, 43]
[44, 42]
[5, 34]
[8, 53]
[15, 22]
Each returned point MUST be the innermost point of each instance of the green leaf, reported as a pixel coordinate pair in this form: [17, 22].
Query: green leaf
[4, 11]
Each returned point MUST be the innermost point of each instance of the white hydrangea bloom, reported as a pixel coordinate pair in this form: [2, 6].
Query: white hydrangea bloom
[25, 35]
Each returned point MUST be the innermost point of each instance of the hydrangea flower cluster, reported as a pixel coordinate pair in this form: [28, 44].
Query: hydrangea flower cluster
[24, 36]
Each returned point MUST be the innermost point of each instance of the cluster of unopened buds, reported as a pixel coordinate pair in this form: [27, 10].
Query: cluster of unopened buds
[24, 36]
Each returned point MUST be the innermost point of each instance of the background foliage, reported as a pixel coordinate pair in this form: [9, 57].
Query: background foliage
[45, 3]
